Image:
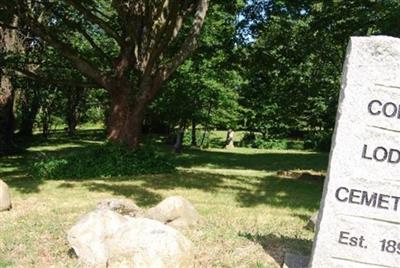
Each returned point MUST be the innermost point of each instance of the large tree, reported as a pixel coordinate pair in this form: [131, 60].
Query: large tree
[9, 43]
[134, 47]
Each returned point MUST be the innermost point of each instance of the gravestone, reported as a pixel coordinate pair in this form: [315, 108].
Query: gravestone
[359, 220]
[229, 143]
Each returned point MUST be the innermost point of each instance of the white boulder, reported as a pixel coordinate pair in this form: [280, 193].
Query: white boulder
[175, 211]
[121, 206]
[104, 238]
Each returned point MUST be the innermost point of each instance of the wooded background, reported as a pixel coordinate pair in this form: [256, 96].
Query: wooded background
[269, 68]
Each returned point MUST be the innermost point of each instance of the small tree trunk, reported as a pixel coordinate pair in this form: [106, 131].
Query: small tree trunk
[179, 140]
[74, 99]
[30, 105]
[46, 122]
[194, 140]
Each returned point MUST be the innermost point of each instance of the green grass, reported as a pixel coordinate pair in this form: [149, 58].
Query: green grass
[251, 214]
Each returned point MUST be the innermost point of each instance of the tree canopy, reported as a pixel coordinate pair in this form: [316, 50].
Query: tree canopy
[264, 66]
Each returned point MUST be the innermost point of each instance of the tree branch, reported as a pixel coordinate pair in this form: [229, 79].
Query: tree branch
[96, 20]
[70, 53]
[94, 45]
[165, 35]
[31, 75]
[191, 41]
[81, 29]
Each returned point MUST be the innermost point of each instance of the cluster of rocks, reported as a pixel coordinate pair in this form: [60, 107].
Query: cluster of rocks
[120, 234]
[5, 199]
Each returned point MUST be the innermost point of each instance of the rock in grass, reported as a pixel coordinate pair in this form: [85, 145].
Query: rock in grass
[5, 199]
[175, 211]
[121, 206]
[104, 238]
[295, 261]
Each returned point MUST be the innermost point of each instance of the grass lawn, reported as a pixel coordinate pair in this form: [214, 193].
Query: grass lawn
[252, 213]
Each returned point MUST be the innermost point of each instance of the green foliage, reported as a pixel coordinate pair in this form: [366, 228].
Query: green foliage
[205, 89]
[103, 161]
[266, 66]
[293, 55]
[319, 141]
[205, 139]
[94, 108]
[252, 140]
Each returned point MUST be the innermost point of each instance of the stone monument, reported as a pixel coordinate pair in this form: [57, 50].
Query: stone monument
[359, 219]
[229, 143]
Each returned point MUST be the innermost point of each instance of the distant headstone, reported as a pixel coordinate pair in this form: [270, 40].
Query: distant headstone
[5, 199]
[179, 141]
[359, 220]
[229, 143]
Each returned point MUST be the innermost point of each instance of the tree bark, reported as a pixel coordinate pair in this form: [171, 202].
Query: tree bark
[9, 43]
[30, 105]
[72, 116]
[125, 121]
[179, 140]
[194, 140]
[46, 121]
[6, 115]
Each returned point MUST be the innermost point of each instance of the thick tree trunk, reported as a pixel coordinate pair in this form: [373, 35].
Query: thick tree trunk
[6, 115]
[8, 43]
[125, 120]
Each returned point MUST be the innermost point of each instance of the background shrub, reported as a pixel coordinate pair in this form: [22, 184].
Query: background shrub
[103, 161]
[319, 141]
[252, 140]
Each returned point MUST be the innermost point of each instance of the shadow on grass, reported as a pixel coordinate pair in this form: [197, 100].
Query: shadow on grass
[14, 169]
[271, 191]
[271, 161]
[276, 246]
[248, 191]
[14, 172]
[141, 195]
[60, 137]
[187, 180]
[280, 192]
